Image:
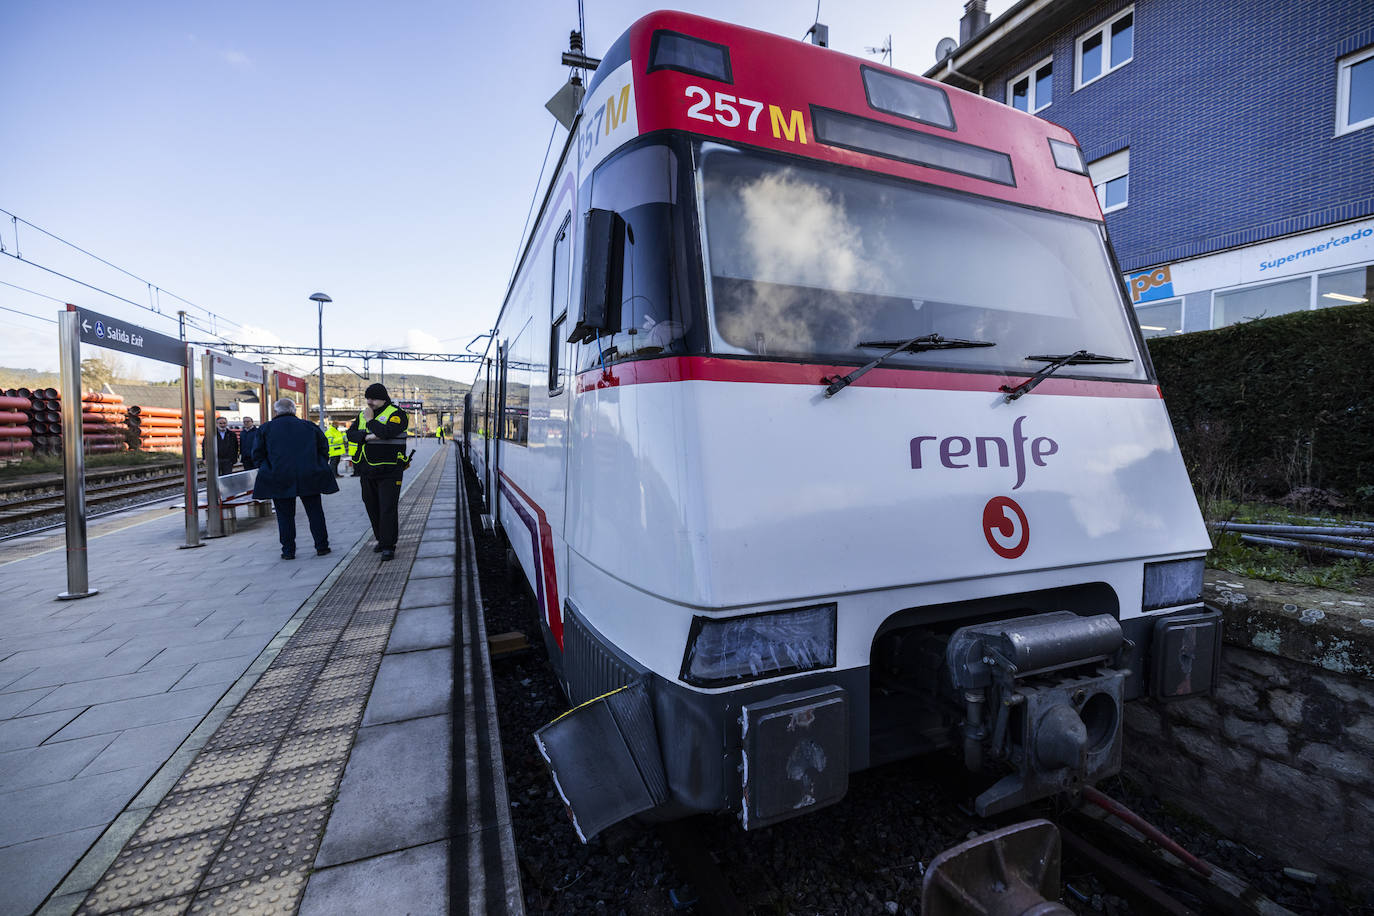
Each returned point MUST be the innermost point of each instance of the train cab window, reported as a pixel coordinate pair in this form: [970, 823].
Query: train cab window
[558, 305]
[641, 185]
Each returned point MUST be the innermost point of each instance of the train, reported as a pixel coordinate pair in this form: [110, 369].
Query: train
[818, 420]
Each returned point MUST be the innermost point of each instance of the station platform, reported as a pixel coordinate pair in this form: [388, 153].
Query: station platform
[221, 730]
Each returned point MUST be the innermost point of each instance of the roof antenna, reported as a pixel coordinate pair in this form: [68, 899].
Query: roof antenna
[885, 51]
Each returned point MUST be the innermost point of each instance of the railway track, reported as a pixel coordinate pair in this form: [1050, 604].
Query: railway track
[39, 500]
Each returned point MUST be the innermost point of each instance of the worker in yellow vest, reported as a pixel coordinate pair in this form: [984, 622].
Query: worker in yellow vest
[379, 435]
[338, 446]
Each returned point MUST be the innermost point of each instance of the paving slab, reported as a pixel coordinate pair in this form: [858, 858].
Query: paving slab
[137, 747]
[109, 689]
[48, 763]
[31, 731]
[432, 568]
[149, 710]
[31, 869]
[426, 592]
[394, 792]
[410, 685]
[409, 881]
[421, 628]
[87, 801]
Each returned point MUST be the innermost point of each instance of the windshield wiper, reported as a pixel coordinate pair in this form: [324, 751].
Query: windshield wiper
[1057, 361]
[914, 345]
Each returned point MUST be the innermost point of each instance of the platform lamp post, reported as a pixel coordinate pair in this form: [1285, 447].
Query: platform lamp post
[321, 299]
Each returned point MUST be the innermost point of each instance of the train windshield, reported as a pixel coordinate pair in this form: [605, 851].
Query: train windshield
[808, 262]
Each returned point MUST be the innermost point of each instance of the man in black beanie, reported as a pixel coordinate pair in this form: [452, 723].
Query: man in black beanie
[380, 436]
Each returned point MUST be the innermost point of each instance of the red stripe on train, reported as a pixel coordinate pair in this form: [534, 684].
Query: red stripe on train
[763, 372]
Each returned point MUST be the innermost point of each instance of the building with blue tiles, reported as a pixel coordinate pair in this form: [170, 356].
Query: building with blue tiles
[1231, 144]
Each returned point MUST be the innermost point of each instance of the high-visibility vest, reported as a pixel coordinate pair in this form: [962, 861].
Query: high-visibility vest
[361, 456]
[338, 445]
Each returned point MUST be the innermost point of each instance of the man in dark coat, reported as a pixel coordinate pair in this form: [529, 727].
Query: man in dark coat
[247, 439]
[293, 461]
[380, 436]
[226, 446]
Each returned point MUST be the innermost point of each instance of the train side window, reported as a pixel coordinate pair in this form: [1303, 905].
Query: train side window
[641, 185]
[558, 305]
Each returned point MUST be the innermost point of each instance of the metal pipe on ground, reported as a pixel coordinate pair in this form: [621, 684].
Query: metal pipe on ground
[1304, 530]
[1284, 542]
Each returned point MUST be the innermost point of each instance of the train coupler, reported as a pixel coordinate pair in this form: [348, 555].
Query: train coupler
[1054, 697]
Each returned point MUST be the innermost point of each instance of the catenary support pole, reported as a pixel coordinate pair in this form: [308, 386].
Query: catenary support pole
[214, 521]
[188, 448]
[73, 455]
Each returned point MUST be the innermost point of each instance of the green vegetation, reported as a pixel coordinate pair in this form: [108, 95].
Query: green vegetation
[1280, 564]
[1274, 407]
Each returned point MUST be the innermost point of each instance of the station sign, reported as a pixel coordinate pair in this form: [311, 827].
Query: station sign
[228, 367]
[411, 406]
[290, 383]
[118, 334]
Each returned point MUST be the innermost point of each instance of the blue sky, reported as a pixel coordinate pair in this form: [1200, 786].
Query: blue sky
[246, 155]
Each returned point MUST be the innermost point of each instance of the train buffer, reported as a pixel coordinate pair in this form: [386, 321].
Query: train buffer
[222, 727]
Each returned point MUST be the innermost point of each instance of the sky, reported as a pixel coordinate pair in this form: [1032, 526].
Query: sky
[231, 159]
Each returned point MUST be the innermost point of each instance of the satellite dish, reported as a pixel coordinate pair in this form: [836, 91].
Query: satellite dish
[945, 49]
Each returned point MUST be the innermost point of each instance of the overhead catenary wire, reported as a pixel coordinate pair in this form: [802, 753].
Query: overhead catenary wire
[28, 314]
[15, 219]
[538, 183]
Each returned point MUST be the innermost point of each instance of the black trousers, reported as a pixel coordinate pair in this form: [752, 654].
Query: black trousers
[334, 464]
[286, 522]
[382, 497]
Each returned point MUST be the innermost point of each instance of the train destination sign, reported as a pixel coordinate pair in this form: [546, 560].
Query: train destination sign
[118, 334]
[228, 367]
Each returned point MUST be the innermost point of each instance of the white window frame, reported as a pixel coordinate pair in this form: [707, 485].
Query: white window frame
[1176, 301]
[1109, 168]
[1032, 103]
[1343, 68]
[1105, 30]
[1274, 281]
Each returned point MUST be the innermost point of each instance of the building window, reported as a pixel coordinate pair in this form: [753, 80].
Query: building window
[1265, 301]
[1034, 89]
[1111, 180]
[1355, 92]
[1346, 287]
[1160, 319]
[1105, 48]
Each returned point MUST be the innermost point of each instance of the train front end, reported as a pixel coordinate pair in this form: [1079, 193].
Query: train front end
[866, 459]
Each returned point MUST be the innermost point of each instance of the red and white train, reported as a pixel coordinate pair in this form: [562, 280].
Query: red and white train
[819, 422]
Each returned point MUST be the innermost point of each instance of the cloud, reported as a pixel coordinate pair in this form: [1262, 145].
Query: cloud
[252, 334]
[237, 59]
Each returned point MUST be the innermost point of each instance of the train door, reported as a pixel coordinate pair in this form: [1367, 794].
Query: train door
[488, 425]
[499, 432]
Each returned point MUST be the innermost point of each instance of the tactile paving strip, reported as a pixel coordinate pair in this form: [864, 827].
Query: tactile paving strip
[239, 831]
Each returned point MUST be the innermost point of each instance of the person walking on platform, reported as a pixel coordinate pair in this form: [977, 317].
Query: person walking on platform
[380, 459]
[338, 445]
[226, 446]
[292, 456]
[246, 440]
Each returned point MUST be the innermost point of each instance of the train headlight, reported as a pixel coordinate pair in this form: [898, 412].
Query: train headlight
[733, 649]
[1172, 583]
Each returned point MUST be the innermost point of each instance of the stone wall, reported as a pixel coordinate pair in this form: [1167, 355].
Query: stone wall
[1282, 758]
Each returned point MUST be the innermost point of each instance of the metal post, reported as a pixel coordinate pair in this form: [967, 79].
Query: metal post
[188, 447]
[320, 303]
[214, 521]
[73, 455]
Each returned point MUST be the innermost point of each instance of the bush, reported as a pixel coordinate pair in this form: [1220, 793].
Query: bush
[1274, 405]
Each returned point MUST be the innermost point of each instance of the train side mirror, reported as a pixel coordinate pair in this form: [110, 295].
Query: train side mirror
[602, 262]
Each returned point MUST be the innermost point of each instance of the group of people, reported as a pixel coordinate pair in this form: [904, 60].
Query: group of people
[295, 459]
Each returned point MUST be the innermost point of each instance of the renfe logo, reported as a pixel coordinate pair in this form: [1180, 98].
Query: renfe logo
[1006, 527]
[982, 449]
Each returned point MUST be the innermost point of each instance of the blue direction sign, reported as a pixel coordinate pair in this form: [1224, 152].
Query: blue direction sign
[117, 334]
